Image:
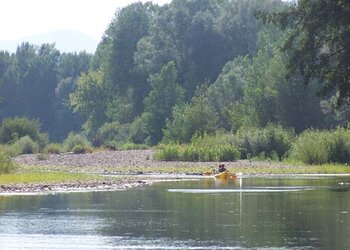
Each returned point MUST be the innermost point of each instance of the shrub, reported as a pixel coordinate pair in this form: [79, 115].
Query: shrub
[107, 134]
[12, 129]
[26, 145]
[319, 147]
[53, 148]
[170, 152]
[310, 148]
[228, 153]
[190, 153]
[130, 146]
[339, 146]
[81, 149]
[9, 150]
[42, 157]
[6, 164]
[114, 134]
[75, 139]
[268, 142]
[202, 148]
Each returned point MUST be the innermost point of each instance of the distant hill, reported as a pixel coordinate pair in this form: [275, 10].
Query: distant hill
[65, 40]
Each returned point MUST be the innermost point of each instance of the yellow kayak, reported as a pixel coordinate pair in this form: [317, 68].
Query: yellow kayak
[225, 175]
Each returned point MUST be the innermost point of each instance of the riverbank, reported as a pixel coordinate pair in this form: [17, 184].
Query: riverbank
[135, 168]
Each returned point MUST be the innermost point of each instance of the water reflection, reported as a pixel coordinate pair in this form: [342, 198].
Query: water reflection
[266, 213]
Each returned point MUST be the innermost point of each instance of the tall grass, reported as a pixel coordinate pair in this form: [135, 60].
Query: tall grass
[320, 147]
[53, 148]
[51, 177]
[6, 164]
[202, 148]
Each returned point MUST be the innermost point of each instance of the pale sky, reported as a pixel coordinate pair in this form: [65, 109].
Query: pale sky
[23, 18]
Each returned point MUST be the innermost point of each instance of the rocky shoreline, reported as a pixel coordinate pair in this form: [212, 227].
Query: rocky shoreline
[71, 187]
[125, 162]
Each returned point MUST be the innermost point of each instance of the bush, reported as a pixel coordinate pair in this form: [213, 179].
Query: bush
[202, 148]
[6, 164]
[42, 157]
[9, 150]
[75, 140]
[12, 129]
[26, 145]
[107, 134]
[53, 148]
[170, 152]
[270, 142]
[339, 146]
[131, 146]
[319, 147]
[81, 149]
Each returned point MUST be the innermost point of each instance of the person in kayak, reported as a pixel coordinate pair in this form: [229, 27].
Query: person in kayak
[222, 168]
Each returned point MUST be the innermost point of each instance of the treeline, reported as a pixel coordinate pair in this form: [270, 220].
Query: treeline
[169, 74]
[36, 82]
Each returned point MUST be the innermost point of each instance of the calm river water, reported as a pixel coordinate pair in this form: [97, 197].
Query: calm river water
[259, 213]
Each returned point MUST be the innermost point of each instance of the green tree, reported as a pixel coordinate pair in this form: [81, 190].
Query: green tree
[318, 44]
[29, 82]
[70, 67]
[164, 95]
[120, 40]
[89, 100]
[198, 117]
[12, 129]
[226, 94]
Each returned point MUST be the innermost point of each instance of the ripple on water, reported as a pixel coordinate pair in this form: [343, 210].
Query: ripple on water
[251, 190]
[38, 241]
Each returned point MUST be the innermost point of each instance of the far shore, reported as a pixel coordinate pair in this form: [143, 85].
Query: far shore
[137, 168]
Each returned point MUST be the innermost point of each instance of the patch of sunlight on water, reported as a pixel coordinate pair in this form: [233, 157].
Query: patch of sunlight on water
[38, 241]
[253, 190]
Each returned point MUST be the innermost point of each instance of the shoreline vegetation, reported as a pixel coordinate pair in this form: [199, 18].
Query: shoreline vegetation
[122, 169]
[259, 99]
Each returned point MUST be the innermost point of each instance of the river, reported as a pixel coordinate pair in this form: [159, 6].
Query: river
[307, 212]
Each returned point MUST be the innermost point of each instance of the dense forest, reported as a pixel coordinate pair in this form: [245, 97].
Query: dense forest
[191, 67]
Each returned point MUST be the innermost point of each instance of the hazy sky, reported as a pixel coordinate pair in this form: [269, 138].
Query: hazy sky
[23, 18]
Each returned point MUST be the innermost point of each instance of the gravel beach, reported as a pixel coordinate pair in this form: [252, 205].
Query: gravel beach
[135, 164]
[123, 161]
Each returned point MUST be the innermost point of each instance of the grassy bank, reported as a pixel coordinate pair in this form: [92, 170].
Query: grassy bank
[47, 178]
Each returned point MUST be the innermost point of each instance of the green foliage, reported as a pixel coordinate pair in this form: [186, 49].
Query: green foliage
[75, 141]
[311, 148]
[202, 148]
[197, 117]
[137, 132]
[25, 145]
[164, 95]
[41, 157]
[108, 134]
[113, 135]
[132, 146]
[89, 100]
[169, 152]
[320, 147]
[13, 129]
[6, 164]
[81, 149]
[53, 148]
[339, 146]
[318, 42]
[226, 93]
[271, 142]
